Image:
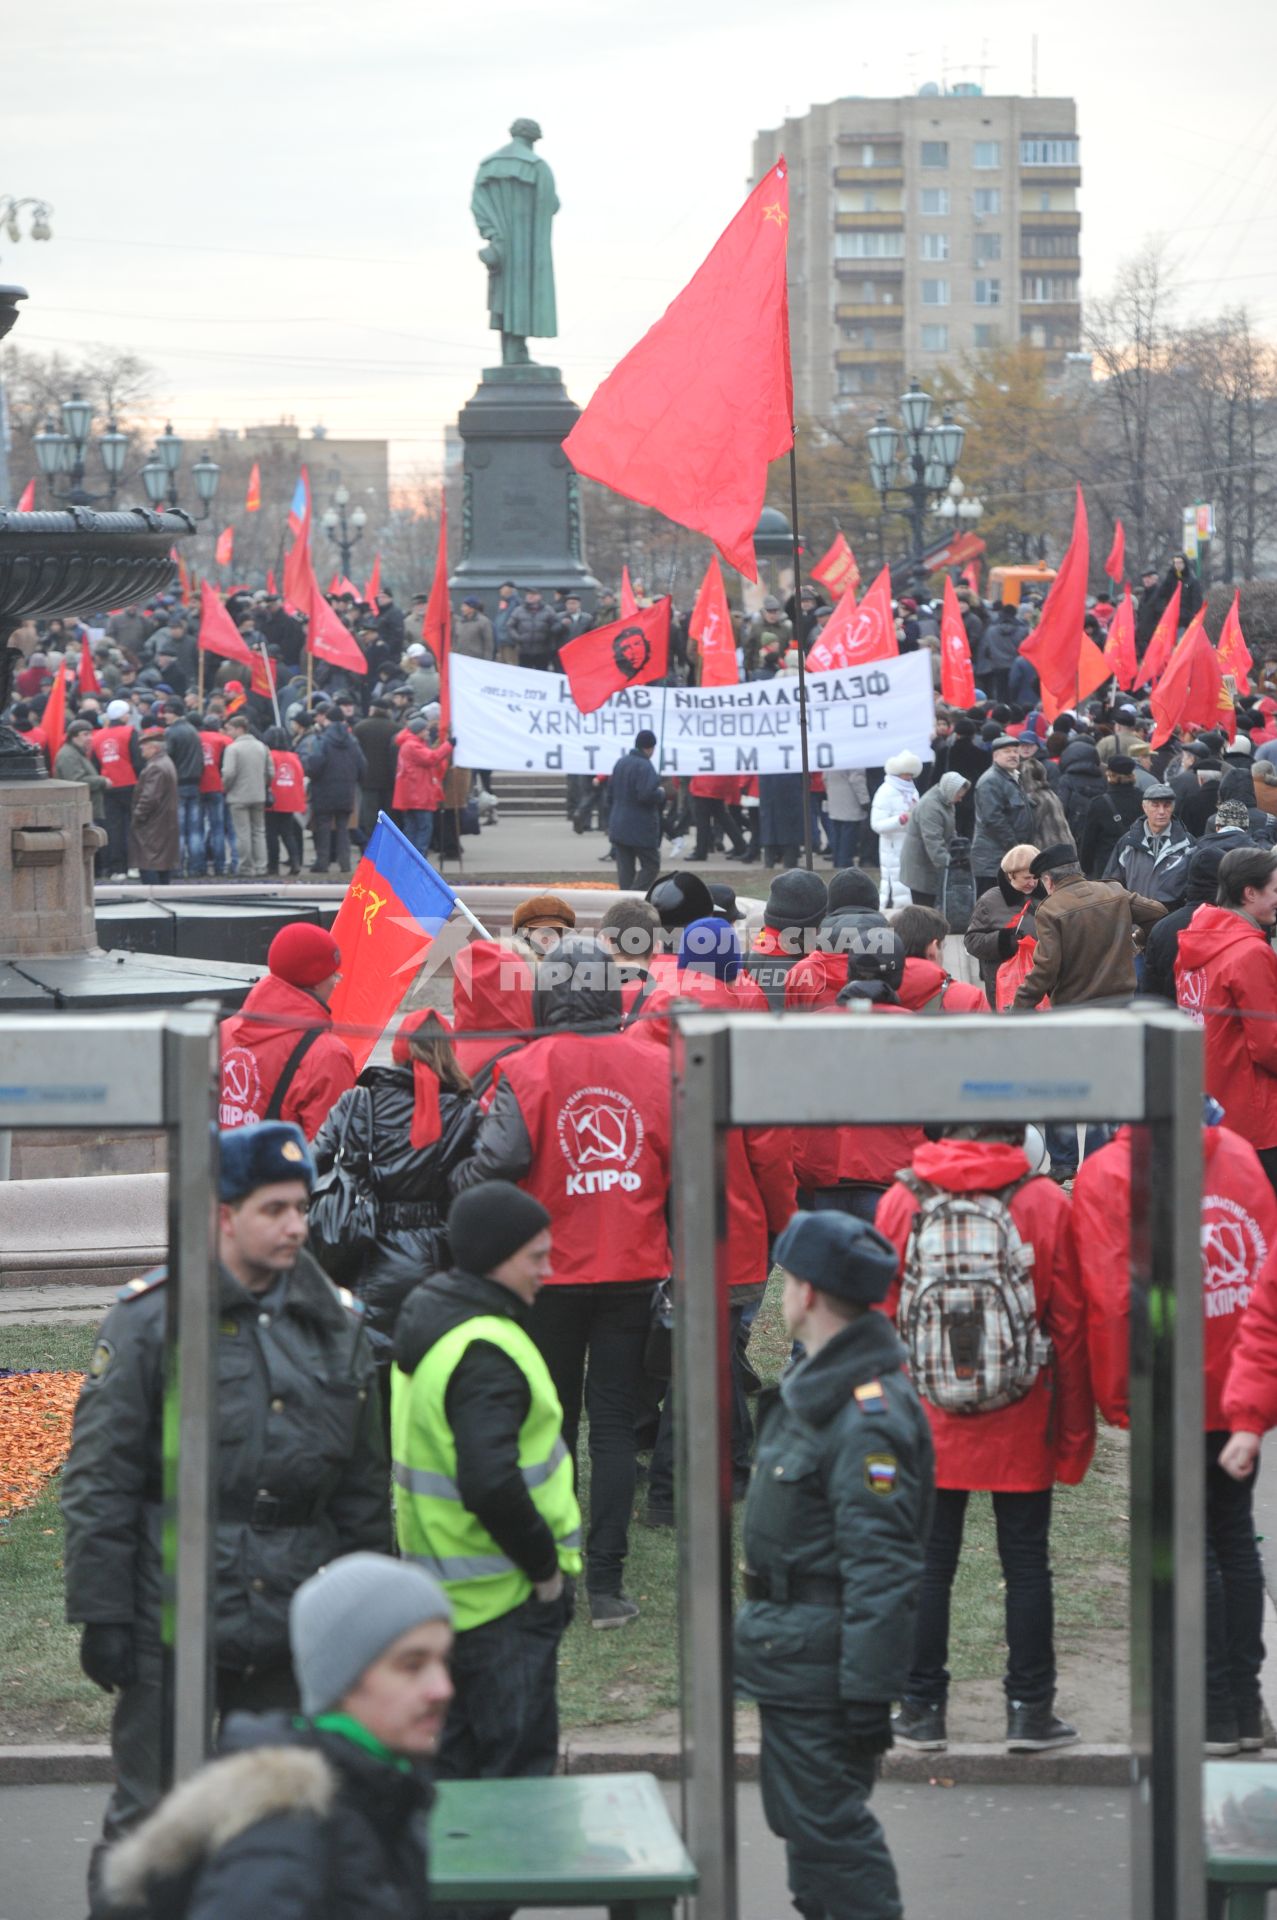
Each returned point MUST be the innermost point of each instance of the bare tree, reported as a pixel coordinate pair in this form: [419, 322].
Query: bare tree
[1128, 333]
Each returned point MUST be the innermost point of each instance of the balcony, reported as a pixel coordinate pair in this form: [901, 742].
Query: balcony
[885, 176]
[859, 222]
[1036, 263]
[1050, 176]
[1052, 222]
[875, 268]
[883, 356]
[881, 312]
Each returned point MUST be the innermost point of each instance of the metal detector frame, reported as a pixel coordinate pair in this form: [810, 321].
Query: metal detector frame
[826, 1069]
[116, 1071]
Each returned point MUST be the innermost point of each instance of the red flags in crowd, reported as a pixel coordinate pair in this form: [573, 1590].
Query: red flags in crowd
[1162, 645]
[26, 499]
[1234, 655]
[691, 417]
[436, 625]
[1056, 642]
[54, 718]
[629, 604]
[1189, 692]
[1115, 565]
[957, 677]
[218, 632]
[271, 588]
[252, 503]
[853, 635]
[265, 676]
[971, 576]
[299, 507]
[837, 569]
[326, 637]
[87, 679]
[343, 584]
[297, 568]
[711, 627]
[373, 587]
[334, 585]
[224, 551]
[183, 576]
[1119, 644]
[629, 653]
[1092, 668]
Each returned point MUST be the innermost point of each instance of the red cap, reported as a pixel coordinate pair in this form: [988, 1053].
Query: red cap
[303, 954]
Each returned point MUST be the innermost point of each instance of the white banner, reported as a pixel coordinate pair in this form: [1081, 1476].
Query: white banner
[515, 720]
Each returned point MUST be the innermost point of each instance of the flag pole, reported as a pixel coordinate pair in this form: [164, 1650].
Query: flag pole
[199, 676]
[476, 923]
[270, 680]
[808, 859]
[310, 675]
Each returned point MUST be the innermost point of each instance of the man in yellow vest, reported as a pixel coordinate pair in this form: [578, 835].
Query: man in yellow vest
[484, 1494]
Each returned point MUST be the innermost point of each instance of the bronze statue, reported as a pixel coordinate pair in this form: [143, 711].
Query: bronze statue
[513, 204]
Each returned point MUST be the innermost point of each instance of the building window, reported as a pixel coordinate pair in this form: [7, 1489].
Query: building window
[935, 293]
[988, 200]
[1036, 336]
[935, 246]
[1049, 246]
[866, 156]
[869, 246]
[1047, 152]
[935, 153]
[988, 246]
[857, 379]
[934, 200]
[988, 293]
[935, 339]
[985, 335]
[1043, 289]
[986, 153]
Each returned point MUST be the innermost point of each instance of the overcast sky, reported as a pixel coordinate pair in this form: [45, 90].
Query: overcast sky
[270, 200]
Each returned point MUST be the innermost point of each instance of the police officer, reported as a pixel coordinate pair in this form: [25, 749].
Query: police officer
[835, 1525]
[301, 1469]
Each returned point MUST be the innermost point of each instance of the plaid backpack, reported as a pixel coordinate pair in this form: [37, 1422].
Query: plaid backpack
[967, 1312]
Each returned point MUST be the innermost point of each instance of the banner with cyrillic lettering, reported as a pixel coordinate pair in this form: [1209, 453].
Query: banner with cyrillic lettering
[515, 720]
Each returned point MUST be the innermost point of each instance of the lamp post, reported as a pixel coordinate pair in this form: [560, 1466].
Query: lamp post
[61, 455]
[159, 475]
[926, 455]
[344, 531]
[955, 506]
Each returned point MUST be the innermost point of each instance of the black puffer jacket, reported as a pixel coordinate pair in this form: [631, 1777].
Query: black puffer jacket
[290, 1822]
[1081, 779]
[412, 1192]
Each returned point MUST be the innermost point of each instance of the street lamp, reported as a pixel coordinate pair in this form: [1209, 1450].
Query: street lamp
[928, 456]
[38, 219]
[159, 475]
[60, 456]
[345, 531]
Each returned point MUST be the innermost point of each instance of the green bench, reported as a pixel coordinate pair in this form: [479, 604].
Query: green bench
[1239, 1808]
[573, 1840]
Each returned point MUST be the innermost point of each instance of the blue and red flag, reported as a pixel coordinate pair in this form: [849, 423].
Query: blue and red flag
[393, 911]
[299, 511]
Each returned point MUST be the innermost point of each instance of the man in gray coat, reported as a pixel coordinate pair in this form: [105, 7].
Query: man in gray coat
[924, 856]
[301, 1467]
[1003, 816]
[246, 774]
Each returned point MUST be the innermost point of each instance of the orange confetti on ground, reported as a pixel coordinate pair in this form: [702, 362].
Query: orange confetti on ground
[35, 1433]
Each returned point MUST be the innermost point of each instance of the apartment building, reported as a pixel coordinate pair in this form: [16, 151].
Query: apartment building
[922, 229]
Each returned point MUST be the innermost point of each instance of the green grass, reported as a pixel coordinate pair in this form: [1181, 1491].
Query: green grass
[53, 1349]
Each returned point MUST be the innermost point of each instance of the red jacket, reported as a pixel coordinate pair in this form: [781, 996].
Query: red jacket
[1239, 1226]
[1049, 1435]
[491, 999]
[1249, 1400]
[597, 1110]
[111, 747]
[1224, 971]
[287, 782]
[924, 980]
[256, 1044]
[716, 786]
[212, 746]
[419, 773]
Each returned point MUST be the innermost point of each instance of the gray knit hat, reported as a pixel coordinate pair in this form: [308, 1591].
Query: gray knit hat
[346, 1615]
[796, 898]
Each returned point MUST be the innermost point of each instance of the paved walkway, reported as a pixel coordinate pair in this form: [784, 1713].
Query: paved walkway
[45, 1306]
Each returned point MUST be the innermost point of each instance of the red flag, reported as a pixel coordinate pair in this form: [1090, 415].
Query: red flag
[299, 508]
[254, 500]
[183, 577]
[1162, 645]
[628, 653]
[265, 675]
[373, 588]
[26, 499]
[1092, 668]
[87, 680]
[690, 419]
[436, 625]
[1191, 692]
[1056, 642]
[1234, 655]
[837, 569]
[392, 913]
[971, 576]
[271, 588]
[957, 678]
[1119, 644]
[326, 637]
[1115, 565]
[629, 604]
[334, 585]
[223, 552]
[853, 635]
[54, 718]
[711, 627]
[218, 632]
[297, 568]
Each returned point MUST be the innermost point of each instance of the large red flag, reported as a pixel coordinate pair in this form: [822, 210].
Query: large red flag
[87, 679]
[853, 635]
[297, 568]
[218, 632]
[690, 419]
[1115, 565]
[224, 551]
[299, 508]
[628, 653]
[1191, 692]
[53, 720]
[373, 586]
[629, 604]
[1119, 643]
[253, 500]
[326, 637]
[436, 625]
[393, 911]
[957, 678]
[711, 627]
[1056, 642]
[26, 499]
[1234, 655]
[264, 678]
[1092, 668]
[837, 569]
[1162, 645]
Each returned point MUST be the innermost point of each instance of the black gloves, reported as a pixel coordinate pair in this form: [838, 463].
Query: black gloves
[869, 1724]
[106, 1655]
[1008, 941]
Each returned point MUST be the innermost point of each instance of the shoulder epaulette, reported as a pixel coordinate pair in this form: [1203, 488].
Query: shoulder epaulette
[351, 1302]
[146, 1284]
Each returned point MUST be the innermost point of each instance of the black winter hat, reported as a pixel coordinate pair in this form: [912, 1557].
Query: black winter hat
[488, 1223]
[851, 887]
[796, 899]
[838, 1254]
[1062, 854]
[680, 898]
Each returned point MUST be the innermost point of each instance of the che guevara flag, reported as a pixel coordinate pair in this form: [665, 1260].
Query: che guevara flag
[253, 499]
[1119, 643]
[711, 628]
[628, 653]
[854, 635]
[1162, 645]
[1234, 655]
[957, 676]
[691, 418]
[218, 632]
[1055, 645]
[837, 569]
[394, 908]
[326, 637]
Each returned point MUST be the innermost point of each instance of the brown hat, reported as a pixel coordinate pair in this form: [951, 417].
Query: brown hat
[543, 910]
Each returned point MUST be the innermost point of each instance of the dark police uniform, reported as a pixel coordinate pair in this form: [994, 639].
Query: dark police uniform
[836, 1523]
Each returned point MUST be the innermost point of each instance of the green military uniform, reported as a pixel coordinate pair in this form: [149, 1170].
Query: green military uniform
[835, 1526]
[301, 1475]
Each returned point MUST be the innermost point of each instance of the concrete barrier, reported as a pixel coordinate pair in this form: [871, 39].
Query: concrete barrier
[93, 1231]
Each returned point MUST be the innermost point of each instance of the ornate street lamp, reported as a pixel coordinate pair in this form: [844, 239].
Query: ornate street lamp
[344, 531]
[159, 475]
[928, 455]
[61, 455]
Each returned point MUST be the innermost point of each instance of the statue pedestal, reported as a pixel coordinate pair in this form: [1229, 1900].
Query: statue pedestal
[521, 502]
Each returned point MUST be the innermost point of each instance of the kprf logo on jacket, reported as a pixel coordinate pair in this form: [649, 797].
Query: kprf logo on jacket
[241, 1101]
[601, 1134]
[1233, 1251]
[1190, 992]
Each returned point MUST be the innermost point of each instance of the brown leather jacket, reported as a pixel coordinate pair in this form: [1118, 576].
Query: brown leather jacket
[1086, 946]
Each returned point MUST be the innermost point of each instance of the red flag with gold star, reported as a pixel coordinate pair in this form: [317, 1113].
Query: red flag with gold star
[711, 628]
[394, 907]
[691, 418]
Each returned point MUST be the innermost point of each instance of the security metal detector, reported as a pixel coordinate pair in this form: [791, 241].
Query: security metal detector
[829, 1069]
[107, 1071]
